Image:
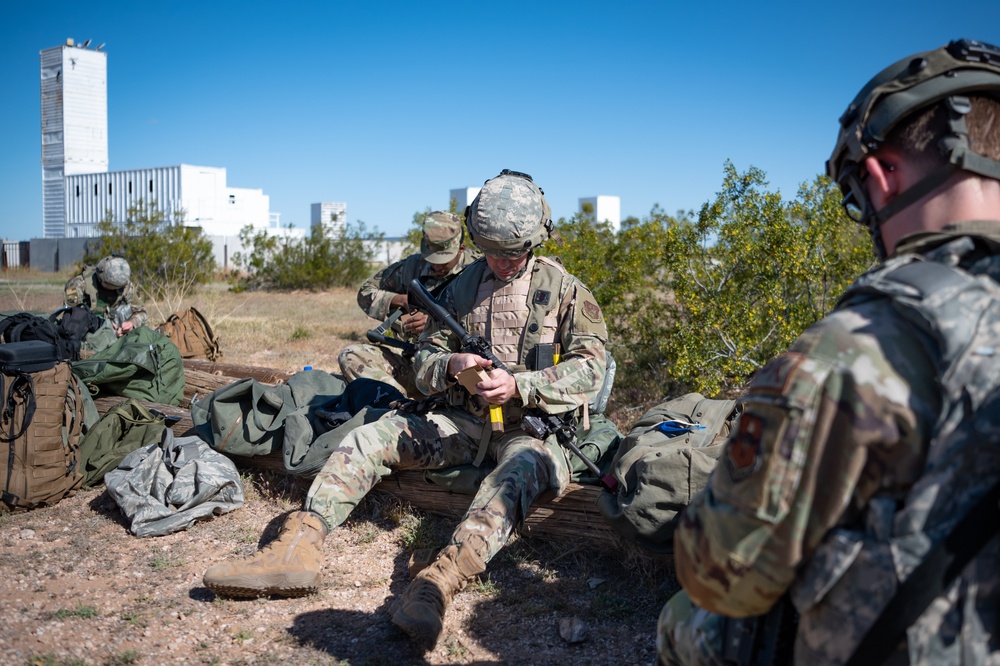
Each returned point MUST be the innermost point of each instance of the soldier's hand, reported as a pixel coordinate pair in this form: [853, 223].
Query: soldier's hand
[415, 323]
[125, 328]
[400, 301]
[499, 388]
[459, 362]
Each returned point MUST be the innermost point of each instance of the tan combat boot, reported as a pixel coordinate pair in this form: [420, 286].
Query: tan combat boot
[288, 566]
[420, 610]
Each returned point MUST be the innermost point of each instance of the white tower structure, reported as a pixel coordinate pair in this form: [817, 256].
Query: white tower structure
[462, 197]
[333, 214]
[74, 84]
[603, 208]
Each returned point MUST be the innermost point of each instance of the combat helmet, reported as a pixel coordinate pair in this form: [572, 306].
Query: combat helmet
[951, 72]
[509, 216]
[113, 272]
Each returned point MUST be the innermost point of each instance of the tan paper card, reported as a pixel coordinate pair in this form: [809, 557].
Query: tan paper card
[470, 377]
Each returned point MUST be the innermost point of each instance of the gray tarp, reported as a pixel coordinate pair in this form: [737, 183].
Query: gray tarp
[166, 486]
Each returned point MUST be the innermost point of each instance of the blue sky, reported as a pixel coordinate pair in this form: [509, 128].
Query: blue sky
[388, 105]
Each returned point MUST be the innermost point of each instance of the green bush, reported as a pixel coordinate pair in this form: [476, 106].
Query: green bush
[168, 261]
[700, 303]
[325, 258]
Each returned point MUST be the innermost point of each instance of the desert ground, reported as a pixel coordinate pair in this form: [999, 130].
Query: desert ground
[80, 589]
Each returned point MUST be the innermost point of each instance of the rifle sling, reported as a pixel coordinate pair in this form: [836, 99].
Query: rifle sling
[930, 579]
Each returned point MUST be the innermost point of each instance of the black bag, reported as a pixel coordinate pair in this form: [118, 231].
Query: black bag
[24, 326]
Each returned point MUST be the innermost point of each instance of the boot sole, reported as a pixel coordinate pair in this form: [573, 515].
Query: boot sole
[280, 585]
[413, 629]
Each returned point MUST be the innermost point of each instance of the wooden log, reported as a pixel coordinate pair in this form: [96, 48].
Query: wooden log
[235, 371]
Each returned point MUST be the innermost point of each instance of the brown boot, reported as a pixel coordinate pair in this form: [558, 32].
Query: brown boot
[420, 610]
[288, 566]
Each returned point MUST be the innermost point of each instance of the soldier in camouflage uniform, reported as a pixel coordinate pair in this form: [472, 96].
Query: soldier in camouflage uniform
[522, 303]
[863, 446]
[442, 256]
[108, 291]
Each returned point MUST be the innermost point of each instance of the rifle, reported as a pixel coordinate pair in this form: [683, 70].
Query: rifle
[377, 335]
[471, 344]
[540, 425]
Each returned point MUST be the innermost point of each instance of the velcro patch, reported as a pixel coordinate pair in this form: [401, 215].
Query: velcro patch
[592, 311]
[743, 453]
[541, 297]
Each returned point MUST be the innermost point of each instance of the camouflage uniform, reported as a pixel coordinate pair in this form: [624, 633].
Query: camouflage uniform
[87, 289]
[847, 466]
[451, 436]
[387, 364]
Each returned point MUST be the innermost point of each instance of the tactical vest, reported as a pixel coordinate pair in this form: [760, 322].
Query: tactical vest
[95, 296]
[857, 569]
[515, 318]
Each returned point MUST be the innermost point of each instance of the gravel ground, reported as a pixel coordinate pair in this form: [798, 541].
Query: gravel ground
[80, 589]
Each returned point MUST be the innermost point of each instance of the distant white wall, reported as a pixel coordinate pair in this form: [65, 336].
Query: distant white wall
[333, 214]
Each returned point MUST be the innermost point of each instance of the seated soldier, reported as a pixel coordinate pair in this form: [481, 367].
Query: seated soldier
[520, 303]
[108, 291]
[442, 256]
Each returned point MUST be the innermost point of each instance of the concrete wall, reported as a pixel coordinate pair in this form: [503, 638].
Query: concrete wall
[51, 255]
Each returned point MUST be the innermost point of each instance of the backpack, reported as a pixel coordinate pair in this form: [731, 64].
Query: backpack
[41, 419]
[124, 428]
[192, 334]
[142, 364]
[664, 460]
[23, 326]
[75, 324]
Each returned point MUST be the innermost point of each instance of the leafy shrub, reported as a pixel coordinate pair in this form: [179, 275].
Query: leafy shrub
[325, 258]
[168, 261]
[700, 303]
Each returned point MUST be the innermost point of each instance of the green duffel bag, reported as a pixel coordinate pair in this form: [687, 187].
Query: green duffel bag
[663, 461]
[249, 418]
[142, 364]
[124, 428]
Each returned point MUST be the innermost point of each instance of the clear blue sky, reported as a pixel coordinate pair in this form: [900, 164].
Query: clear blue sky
[388, 105]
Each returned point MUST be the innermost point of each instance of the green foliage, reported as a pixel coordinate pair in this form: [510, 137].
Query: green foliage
[325, 258]
[701, 303]
[168, 261]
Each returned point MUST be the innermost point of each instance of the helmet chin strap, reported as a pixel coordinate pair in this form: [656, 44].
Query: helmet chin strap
[960, 158]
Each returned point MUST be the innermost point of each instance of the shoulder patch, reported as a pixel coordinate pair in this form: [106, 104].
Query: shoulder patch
[541, 297]
[743, 452]
[592, 311]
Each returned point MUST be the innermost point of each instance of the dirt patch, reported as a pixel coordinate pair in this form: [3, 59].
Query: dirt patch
[83, 590]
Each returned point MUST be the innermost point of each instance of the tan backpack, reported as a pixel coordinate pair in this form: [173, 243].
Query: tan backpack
[41, 419]
[192, 334]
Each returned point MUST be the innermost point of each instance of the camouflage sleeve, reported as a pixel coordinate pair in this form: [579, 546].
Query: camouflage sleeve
[826, 425]
[130, 296]
[373, 297]
[73, 292]
[577, 377]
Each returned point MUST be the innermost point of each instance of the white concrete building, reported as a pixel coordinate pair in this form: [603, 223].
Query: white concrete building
[79, 191]
[332, 214]
[74, 91]
[463, 197]
[603, 208]
[199, 195]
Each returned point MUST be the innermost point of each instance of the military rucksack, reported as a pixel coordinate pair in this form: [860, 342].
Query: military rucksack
[142, 364]
[663, 461]
[192, 334]
[41, 419]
